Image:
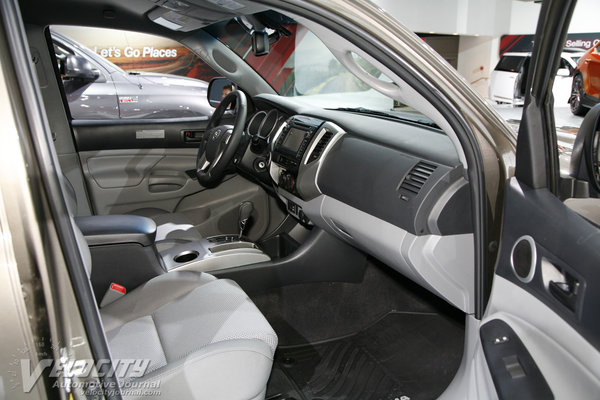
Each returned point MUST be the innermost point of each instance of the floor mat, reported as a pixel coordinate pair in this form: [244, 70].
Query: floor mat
[402, 356]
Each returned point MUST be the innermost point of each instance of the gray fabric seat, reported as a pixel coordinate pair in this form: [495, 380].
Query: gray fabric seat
[203, 337]
[172, 229]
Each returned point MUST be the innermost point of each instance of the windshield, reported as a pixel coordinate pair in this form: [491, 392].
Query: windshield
[300, 65]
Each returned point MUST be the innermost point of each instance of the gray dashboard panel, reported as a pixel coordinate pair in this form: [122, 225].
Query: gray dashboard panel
[355, 191]
[411, 138]
[371, 177]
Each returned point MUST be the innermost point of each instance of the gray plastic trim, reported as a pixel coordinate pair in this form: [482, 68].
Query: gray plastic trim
[473, 380]
[229, 64]
[308, 173]
[238, 254]
[533, 265]
[570, 364]
[442, 264]
[113, 229]
[438, 207]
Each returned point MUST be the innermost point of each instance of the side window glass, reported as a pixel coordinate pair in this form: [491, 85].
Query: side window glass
[582, 96]
[129, 75]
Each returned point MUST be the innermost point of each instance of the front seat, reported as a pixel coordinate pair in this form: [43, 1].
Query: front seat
[202, 337]
[172, 229]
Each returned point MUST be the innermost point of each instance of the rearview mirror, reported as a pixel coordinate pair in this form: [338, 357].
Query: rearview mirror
[260, 43]
[564, 72]
[218, 88]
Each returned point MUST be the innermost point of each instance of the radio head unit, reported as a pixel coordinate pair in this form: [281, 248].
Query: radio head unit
[291, 145]
[294, 140]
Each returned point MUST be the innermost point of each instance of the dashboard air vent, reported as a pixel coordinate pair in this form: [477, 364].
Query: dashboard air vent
[415, 179]
[320, 146]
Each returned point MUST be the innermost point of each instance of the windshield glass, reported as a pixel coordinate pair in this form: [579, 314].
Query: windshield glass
[300, 65]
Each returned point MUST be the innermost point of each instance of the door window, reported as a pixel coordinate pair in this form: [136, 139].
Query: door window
[575, 95]
[137, 76]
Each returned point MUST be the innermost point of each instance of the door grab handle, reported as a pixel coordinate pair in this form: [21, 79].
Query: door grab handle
[565, 292]
[165, 182]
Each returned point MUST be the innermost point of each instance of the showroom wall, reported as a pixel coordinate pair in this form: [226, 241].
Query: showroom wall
[480, 24]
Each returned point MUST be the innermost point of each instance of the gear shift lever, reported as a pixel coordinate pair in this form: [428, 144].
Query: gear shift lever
[246, 208]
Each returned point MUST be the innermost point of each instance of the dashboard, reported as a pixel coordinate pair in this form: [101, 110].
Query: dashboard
[394, 189]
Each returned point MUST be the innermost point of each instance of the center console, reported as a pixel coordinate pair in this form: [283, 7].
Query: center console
[290, 147]
[214, 253]
[296, 155]
[124, 252]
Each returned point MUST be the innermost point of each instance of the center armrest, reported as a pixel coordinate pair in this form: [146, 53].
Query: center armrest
[113, 229]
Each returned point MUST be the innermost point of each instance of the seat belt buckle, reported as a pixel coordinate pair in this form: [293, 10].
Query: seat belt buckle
[114, 292]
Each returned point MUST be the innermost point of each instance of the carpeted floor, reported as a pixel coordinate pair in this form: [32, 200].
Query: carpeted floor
[403, 354]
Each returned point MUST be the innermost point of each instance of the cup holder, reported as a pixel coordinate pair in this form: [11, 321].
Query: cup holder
[186, 256]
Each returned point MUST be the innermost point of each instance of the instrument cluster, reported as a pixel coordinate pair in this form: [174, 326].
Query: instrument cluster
[263, 124]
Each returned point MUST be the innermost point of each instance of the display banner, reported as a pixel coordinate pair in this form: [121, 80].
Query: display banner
[524, 43]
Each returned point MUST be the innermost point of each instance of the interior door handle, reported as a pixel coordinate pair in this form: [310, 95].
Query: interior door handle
[565, 292]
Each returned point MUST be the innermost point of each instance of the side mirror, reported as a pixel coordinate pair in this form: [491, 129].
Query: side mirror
[218, 88]
[76, 67]
[564, 72]
[585, 155]
[77, 74]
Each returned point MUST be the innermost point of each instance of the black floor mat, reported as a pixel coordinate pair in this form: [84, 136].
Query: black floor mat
[403, 354]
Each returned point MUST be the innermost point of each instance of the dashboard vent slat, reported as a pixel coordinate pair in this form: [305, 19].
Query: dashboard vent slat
[415, 180]
[320, 146]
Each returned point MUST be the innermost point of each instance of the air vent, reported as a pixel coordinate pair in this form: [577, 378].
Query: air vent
[415, 179]
[320, 146]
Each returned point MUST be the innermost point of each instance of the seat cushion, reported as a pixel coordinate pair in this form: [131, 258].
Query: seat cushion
[203, 337]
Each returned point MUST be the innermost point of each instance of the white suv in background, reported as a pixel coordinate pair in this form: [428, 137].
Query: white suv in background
[508, 80]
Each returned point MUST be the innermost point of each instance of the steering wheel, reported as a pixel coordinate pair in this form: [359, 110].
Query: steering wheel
[220, 142]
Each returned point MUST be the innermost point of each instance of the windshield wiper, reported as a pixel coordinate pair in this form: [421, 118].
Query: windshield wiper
[362, 110]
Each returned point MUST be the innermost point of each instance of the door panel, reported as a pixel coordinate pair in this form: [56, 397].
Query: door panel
[133, 164]
[138, 134]
[546, 248]
[127, 166]
[563, 241]
[568, 362]
[215, 211]
[120, 181]
[121, 170]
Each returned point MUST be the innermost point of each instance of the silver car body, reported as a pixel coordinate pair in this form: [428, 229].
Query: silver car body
[138, 95]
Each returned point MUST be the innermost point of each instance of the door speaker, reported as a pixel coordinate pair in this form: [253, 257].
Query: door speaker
[523, 258]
